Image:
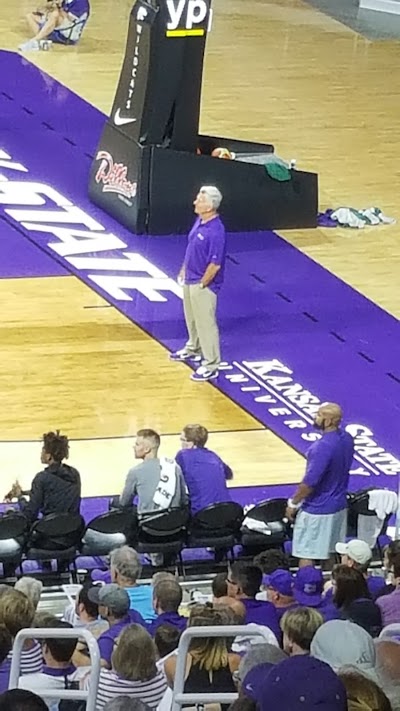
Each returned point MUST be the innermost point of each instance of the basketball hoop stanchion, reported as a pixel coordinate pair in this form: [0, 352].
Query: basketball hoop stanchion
[151, 160]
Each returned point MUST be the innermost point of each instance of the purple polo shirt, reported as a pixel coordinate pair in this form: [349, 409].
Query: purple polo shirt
[328, 465]
[280, 611]
[206, 245]
[76, 7]
[106, 641]
[170, 618]
[262, 613]
[390, 607]
[5, 669]
[205, 476]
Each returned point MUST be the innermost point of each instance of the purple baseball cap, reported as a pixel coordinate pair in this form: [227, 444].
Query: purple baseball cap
[308, 586]
[302, 683]
[281, 581]
[252, 682]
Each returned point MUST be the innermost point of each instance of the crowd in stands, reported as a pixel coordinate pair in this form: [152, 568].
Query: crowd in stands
[323, 648]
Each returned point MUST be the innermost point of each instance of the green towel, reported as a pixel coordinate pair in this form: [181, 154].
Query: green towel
[277, 171]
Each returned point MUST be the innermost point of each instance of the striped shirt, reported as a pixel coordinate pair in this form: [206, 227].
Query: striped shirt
[111, 685]
[31, 659]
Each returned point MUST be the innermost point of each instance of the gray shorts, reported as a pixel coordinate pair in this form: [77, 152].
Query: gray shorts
[315, 535]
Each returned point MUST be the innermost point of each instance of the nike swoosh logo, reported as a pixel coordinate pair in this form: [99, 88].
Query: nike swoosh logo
[120, 121]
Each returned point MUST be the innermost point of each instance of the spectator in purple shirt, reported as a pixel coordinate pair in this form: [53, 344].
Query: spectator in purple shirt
[390, 604]
[202, 275]
[321, 497]
[358, 554]
[113, 602]
[167, 597]
[204, 472]
[244, 583]
[60, 21]
[279, 586]
[308, 592]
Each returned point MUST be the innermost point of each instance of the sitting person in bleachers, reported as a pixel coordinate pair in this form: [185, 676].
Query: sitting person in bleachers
[204, 472]
[113, 602]
[31, 587]
[389, 553]
[353, 599]
[17, 613]
[157, 482]
[125, 569]
[133, 670]
[268, 561]
[58, 669]
[209, 663]
[87, 613]
[363, 693]
[340, 643]
[388, 669]
[357, 554]
[299, 627]
[167, 598]
[389, 605]
[243, 584]
[56, 489]
[5, 662]
[166, 640]
[279, 587]
[60, 21]
[308, 591]
[20, 700]
[219, 586]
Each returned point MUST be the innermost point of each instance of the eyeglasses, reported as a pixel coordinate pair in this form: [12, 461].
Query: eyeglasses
[231, 582]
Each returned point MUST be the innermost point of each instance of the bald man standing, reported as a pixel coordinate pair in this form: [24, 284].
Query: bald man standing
[319, 505]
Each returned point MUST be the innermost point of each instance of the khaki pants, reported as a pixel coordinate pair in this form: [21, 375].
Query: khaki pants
[199, 306]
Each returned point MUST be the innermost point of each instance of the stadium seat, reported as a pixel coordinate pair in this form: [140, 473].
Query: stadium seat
[164, 533]
[271, 515]
[218, 527]
[55, 537]
[370, 526]
[13, 532]
[110, 530]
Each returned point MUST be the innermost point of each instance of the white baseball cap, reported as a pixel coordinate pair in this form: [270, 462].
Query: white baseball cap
[356, 550]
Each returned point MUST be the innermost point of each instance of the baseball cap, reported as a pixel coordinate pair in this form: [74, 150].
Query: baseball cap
[308, 586]
[302, 683]
[341, 642]
[112, 596]
[356, 550]
[281, 581]
[252, 682]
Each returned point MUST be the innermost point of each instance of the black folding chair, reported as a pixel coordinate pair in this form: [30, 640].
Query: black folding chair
[109, 531]
[56, 537]
[358, 506]
[164, 533]
[13, 533]
[271, 513]
[217, 527]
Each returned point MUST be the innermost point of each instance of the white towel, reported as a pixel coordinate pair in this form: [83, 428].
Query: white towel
[258, 526]
[166, 488]
[383, 502]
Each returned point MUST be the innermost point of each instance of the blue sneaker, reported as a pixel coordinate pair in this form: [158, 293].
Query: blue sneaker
[202, 375]
[184, 355]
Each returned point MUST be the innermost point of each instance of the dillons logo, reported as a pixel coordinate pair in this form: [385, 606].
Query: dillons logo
[113, 176]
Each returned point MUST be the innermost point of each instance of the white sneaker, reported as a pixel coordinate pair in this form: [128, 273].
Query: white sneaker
[184, 355]
[30, 46]
[202, 374]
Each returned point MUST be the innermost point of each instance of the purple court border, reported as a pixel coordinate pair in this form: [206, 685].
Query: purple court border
[293, 334]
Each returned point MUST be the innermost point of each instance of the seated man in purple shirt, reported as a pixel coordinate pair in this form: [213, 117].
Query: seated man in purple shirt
[202, 276]
[390, 604]
[204, 472]
[167, 597]
[321, 497]
[60, 21]
[308, 592]
[113, 602]
[244, 582]
[279, 587]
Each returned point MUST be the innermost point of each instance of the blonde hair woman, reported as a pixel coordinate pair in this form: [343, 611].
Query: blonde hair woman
[299, 627]
[209, 663]
[134, 672]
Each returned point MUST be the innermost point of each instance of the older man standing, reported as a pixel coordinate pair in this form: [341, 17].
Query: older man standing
[321, 497]
[202, 275]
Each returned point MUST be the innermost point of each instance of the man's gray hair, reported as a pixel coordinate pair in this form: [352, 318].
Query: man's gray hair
[213, 194]
[160, 577]
[31, 588]
[126, 562]
[125, 703]
[260, 654]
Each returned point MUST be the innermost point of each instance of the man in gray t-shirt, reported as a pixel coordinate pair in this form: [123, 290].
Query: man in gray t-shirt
[158, 483]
